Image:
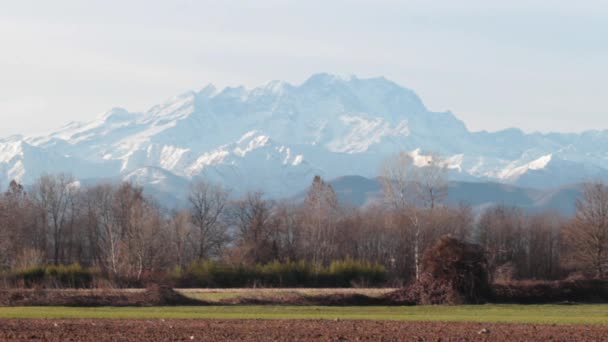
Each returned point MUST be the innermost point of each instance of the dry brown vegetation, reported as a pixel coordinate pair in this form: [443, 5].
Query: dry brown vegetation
[152, 296]
[121, 238]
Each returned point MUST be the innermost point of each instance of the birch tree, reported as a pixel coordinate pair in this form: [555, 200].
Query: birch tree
[409, 190]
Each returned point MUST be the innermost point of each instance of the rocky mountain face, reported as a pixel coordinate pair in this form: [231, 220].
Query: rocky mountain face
[276, 137]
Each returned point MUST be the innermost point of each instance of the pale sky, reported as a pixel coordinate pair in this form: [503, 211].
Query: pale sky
[536, 65]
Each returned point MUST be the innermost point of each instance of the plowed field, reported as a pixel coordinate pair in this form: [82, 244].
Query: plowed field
[288, 330]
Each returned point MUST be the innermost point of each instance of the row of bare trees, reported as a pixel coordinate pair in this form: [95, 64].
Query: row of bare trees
[117, 229]
[520, 245]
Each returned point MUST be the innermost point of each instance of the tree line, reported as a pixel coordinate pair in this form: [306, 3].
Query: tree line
[118, 230]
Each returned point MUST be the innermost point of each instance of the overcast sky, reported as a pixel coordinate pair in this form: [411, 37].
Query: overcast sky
[535, 65]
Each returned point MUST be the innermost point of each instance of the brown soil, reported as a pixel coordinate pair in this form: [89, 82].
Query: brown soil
[153, 296]
[287, 330]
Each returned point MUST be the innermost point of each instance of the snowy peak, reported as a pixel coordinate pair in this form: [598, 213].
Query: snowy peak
[208, 91]
[116, 115]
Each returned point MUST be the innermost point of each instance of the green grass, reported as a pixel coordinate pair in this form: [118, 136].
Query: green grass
[558, 314]
[214, 296]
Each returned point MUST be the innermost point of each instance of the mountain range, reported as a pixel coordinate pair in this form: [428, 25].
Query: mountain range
[357, 191]
[277, 136]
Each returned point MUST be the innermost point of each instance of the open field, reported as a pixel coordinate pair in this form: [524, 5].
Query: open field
[289, 330]
[206, 317]
[217, 295]
[536, 314]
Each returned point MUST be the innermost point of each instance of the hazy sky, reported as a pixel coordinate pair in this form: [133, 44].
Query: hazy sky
[536, 65]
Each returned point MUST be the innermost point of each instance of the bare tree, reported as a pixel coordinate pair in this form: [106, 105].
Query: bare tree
[207, 205]
[55, 196]
[501, 232]
[431, 182]
[543, 238]
[397, 176]
[6, 238]
[252, 218]
[105, 228]
[144, 238]
[405, 184]
[126, 230]
[287, 232]
[321, 214]
[587, 235]
[181, 229]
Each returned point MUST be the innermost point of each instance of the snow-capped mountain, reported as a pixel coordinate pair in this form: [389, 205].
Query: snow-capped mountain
[277, 136]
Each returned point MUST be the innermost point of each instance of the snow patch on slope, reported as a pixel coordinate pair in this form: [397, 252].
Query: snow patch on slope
[512, 172]
[361, 133]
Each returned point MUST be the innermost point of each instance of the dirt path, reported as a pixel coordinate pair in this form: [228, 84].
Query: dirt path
[292, 330]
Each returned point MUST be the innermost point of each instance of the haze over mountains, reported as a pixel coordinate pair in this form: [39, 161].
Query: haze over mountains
[359, 191]
[276, 137]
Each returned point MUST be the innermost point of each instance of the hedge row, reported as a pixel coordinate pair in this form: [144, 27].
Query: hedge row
[542, 292]
[343, 273]
[61, 276]
[211, 274]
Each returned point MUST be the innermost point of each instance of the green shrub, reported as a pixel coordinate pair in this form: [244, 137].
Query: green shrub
[343, 273]
[70, 276]
[346, 272]
[31, 276]
[213, 274]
